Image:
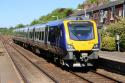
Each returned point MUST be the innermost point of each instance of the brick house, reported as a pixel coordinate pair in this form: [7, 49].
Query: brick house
[104, 13]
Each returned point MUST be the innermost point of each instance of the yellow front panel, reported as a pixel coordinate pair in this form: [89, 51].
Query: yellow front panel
[81, 45]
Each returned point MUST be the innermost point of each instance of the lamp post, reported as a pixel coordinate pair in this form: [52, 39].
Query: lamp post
[56, 17]
[117, 42]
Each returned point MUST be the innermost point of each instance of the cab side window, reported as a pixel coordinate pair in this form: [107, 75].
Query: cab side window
[54, 32]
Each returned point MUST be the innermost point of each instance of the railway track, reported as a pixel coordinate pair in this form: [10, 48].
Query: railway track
[39, 63]
[18, 58]
[90, 77]
[94, 77]
[21, 74]
[62, 76]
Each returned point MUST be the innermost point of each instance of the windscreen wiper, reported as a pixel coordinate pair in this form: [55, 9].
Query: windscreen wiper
[75, 35]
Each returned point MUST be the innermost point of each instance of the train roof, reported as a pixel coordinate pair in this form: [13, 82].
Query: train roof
[57, 22]
[50, 23]
[25, 29]
[54, 23]
[37, 27]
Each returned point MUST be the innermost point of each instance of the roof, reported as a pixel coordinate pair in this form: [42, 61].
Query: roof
[55, 23]
[58, 22]
[110, 4]
[51, 23]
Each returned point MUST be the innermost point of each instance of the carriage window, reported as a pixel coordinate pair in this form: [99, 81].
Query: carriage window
[30, 35]
[37, 35]
[42, 35]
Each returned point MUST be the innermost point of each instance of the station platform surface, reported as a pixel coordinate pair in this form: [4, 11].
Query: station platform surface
[8, 72]
[113, 56]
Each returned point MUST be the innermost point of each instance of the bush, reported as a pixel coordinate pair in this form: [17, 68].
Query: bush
[122, 43]
[108, 43]
[110, 32]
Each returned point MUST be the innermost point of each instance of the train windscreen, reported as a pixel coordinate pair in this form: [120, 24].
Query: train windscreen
[81, 30]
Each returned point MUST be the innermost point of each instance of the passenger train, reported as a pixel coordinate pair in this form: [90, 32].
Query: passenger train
[71, 42]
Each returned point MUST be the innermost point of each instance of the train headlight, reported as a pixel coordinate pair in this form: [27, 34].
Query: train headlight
[70, 47]
[95, 48]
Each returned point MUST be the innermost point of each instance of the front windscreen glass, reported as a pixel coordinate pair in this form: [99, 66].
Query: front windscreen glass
[81, 30]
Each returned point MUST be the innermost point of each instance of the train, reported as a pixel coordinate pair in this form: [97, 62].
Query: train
[71, 42]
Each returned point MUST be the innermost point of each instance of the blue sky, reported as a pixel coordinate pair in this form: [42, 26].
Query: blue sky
[14, 12]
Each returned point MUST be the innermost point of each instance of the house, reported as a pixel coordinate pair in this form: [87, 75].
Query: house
[104, 14]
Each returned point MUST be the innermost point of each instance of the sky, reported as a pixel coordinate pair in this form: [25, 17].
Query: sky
[13, 12]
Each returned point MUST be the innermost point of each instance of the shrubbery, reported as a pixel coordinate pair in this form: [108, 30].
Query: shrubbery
[108, 35]
[122, 43]
[108, 43]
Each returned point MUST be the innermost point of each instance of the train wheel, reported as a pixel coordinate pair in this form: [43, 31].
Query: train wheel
[55, 58]
[61, 61]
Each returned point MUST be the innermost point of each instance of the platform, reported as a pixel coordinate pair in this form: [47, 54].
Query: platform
[8, 72]
[113, 60]
[114, 56]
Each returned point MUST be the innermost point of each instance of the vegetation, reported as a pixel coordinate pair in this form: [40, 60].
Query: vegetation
[97, 1]
[92, 1]
[60, 13]
[19, 26]
[108, 43]
[6, 31]
[111, 31]
[80, 6]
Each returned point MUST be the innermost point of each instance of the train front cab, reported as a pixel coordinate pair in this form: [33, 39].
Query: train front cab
[82, 43]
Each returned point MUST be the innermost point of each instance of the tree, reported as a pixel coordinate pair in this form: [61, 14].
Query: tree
[97, 1]
[34, 22]
[19, 26]
[92, 1]
[60, 12]
[80, 6]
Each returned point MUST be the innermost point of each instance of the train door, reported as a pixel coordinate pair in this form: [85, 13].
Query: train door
[57, 31]
[53, 36]
[28, 34]
[46, 34]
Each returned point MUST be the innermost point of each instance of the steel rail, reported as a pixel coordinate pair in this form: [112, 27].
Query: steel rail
[56, 81]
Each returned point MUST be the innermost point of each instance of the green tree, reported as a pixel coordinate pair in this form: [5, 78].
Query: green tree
[80, 6]
[19, 26]
[34, 22]
[60, 12]
[92, 1]
[97, 1]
